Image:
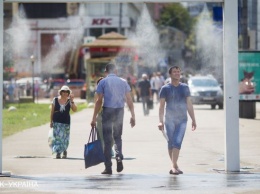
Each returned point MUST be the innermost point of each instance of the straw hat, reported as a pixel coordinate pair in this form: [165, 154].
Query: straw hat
[64, 88]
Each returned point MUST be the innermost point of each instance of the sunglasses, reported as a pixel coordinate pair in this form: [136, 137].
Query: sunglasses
[66, 91]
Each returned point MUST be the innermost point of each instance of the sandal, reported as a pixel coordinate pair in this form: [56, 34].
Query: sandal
[179, 171]
[58, 156]
[64, 155]
[175, 173]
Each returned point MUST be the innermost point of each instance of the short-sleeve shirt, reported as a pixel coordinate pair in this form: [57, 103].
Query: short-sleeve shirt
[176, 104]
[114, 90]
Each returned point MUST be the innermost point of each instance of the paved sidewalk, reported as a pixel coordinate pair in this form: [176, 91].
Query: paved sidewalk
[146, 164]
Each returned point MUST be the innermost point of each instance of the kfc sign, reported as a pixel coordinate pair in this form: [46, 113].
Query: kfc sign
[106, 22]
[101, 21]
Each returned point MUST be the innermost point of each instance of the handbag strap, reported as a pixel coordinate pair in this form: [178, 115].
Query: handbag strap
[90, 134]
[93, 134]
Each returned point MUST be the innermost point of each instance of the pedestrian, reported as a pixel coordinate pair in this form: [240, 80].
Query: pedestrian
[136, 90]
[99, 123]
[36, 90]
[155, 86]
[152, 82]
[99, 119]
[129, 81]
[28, 88]
[175, 99]
[114, 91]
[145, 92]
[10, 91]
[161, 80]
[60, 120]
[4, 95]
[50, 88]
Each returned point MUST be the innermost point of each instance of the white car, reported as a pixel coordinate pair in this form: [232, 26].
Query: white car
[206, 90]
[23, 81]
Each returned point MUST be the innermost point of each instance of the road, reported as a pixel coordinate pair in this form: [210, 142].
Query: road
[146, 164]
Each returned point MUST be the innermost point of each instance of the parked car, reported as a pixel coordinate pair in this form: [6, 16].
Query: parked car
[206, 90]
[23, 81]
[75, 83]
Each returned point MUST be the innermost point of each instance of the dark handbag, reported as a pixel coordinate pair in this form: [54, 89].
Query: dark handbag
[93, 151]
[150, 104]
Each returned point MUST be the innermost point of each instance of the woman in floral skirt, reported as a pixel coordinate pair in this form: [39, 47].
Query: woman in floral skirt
[60, 121]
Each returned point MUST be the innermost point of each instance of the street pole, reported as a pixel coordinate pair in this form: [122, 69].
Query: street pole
[230, 61]
[32, 61]
[2, 174]
[120, 18]
[1, 79]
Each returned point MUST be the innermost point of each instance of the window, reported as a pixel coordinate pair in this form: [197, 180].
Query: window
[95, 9]
[112, 9]
[44, 10]
[95, 32]
[107, 30]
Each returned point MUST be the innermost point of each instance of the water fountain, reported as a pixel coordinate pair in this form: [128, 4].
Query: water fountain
[17, 39]
[209, 45]
[65, 43]
[20, 44]
[147, 38]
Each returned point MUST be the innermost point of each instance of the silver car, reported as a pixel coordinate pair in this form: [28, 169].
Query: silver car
[206, 90]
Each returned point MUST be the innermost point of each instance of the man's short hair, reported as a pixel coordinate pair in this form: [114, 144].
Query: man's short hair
[173, 67]
[110, 67]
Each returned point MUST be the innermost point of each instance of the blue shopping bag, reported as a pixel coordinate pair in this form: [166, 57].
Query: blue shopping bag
[93, 151]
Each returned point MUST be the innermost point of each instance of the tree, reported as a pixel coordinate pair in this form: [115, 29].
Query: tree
[175, 15]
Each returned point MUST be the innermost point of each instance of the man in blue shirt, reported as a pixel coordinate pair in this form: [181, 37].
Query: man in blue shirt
[176, 97]
[114, 91]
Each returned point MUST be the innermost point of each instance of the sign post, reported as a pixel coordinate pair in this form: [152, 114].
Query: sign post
[230, 59]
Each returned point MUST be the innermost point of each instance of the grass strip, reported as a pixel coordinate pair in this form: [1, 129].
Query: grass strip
[28, 115]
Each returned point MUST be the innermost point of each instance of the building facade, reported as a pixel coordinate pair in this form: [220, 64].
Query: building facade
[53, 32]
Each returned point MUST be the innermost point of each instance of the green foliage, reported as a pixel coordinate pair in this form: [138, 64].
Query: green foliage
[190, 42]
[27, 115]
[175, 15]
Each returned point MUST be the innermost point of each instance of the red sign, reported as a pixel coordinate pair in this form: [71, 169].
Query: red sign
[9, 69]
[101, 21]
[111, 49]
